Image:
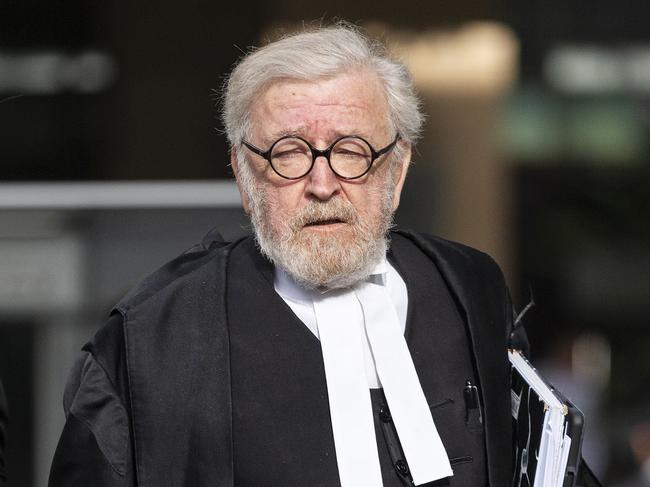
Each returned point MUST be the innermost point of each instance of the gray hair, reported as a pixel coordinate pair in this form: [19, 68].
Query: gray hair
[316, 54]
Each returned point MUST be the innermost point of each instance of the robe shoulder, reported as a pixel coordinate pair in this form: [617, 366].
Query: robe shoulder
[180, 270]
[464, 260]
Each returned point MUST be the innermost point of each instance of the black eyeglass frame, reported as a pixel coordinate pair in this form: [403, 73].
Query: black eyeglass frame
[315, 153]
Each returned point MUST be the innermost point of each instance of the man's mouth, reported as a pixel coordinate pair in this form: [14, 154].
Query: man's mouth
[329, 221]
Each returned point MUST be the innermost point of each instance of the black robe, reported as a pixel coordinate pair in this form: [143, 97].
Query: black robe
[3, 434]
[150, 403]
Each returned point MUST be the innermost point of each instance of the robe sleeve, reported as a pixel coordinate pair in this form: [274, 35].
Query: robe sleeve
[95, 445]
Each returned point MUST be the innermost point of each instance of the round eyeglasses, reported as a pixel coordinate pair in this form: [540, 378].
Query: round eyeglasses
[349, 157]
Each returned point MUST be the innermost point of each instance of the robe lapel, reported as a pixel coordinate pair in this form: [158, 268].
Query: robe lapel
[478, 288]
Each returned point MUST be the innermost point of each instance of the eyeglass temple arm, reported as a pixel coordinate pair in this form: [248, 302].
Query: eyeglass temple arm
[383, 151]
[258, 151]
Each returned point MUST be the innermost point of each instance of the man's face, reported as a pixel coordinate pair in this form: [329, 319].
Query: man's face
[325, 231]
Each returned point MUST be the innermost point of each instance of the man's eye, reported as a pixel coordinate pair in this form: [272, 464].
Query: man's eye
[351, 153]
[348, 152]
[289, 153]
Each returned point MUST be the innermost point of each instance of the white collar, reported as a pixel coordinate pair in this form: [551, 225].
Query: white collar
[287, 287]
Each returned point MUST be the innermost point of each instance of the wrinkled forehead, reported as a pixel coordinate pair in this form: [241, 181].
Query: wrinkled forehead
[350, 103]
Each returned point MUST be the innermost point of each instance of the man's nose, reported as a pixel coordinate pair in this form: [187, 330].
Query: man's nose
[322, 183]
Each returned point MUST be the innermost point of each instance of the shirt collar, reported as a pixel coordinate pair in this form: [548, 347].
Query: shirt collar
[378, 274]
[287, 287]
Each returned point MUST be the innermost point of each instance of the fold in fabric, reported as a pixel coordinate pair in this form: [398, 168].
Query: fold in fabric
[94, 402]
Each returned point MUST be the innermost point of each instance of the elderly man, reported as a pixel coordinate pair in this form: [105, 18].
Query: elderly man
[327, 349]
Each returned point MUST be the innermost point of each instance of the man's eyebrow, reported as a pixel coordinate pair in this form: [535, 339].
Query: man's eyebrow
[273, 136]
[301, 132]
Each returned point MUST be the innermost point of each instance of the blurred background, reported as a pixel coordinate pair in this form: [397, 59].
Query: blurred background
[536, 150]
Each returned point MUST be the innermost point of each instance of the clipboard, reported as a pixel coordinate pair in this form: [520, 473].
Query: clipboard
[547, 429]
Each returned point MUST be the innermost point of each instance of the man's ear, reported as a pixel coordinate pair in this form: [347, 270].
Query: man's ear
[235, 168]
[401, 168]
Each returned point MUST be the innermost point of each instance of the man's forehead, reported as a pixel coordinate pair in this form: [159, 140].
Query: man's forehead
[354, 88]
[304, 131]
[343, 105]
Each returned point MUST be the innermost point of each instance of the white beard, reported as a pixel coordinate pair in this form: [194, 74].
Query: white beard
[315, 259]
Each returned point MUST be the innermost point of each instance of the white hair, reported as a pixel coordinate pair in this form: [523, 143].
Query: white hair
[313, 55]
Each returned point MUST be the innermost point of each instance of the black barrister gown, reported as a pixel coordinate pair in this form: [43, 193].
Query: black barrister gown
[155, 399]
[3, 434]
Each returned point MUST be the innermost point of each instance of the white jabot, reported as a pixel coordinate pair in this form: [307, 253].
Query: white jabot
[362, 340]
[301, 303]
[340, 322]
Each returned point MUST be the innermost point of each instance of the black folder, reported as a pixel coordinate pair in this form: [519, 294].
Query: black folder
[547, 430]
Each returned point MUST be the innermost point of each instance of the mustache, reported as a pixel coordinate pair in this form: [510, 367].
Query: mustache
[332, 210]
